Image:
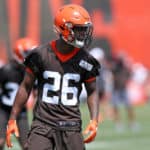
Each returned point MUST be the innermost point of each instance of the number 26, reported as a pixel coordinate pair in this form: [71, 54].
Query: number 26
[64, 87]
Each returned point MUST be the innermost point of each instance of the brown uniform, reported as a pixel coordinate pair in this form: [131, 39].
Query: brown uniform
[57, 118]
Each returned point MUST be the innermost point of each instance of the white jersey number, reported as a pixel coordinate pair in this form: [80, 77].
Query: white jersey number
[60, 84]
[12, 88]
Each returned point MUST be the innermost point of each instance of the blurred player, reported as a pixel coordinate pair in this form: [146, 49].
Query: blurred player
[11, 75]
[121, 76]
[61, 67]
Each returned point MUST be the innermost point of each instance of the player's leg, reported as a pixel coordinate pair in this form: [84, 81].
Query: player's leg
[128, 105]
[130, 112]
[73, 140]
[3, 123]
[116, 101]
[131, 115]
[39, 142]
[115, 105]
[23, 129]
[40, 137]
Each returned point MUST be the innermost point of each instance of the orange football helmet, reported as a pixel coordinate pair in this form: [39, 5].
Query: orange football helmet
[73, 23]
[23, 46]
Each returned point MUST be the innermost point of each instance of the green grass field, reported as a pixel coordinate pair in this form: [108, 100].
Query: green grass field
[109, 139]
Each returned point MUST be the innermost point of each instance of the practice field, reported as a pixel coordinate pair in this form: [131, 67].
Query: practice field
[109, 139]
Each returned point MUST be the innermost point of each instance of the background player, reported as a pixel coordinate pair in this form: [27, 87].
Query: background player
[11, 76]
[121, 76]
[61, 67]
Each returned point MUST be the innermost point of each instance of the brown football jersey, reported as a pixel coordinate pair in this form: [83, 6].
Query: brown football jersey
[59, 82]
[11, 75]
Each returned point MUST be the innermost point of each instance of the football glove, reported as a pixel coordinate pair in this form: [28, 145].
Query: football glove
[11, 129]
[91, 131]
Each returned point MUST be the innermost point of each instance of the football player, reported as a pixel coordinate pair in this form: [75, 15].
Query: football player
[121, 75]
[61, 66]
[11, 75]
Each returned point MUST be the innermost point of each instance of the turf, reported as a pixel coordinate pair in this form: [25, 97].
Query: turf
[109, 139]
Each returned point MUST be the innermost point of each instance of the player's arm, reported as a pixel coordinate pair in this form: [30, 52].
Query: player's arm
[20, 100]
[92, 100]
[22, 95]
[93, 105]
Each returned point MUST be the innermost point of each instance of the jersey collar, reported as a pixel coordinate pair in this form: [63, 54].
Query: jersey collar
[63, 57]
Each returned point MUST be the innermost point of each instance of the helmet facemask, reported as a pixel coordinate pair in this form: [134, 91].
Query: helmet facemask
[82, 35]
[78, 35]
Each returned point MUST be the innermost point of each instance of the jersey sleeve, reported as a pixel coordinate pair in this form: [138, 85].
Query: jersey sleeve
[32, 62]
[93, 70]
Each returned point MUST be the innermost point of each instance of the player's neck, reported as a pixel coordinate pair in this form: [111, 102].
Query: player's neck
[63, 47]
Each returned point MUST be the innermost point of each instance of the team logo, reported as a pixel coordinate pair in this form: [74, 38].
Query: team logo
[84, 64]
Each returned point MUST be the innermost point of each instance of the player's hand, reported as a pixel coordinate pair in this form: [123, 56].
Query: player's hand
[90, 131]
[11, 129]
